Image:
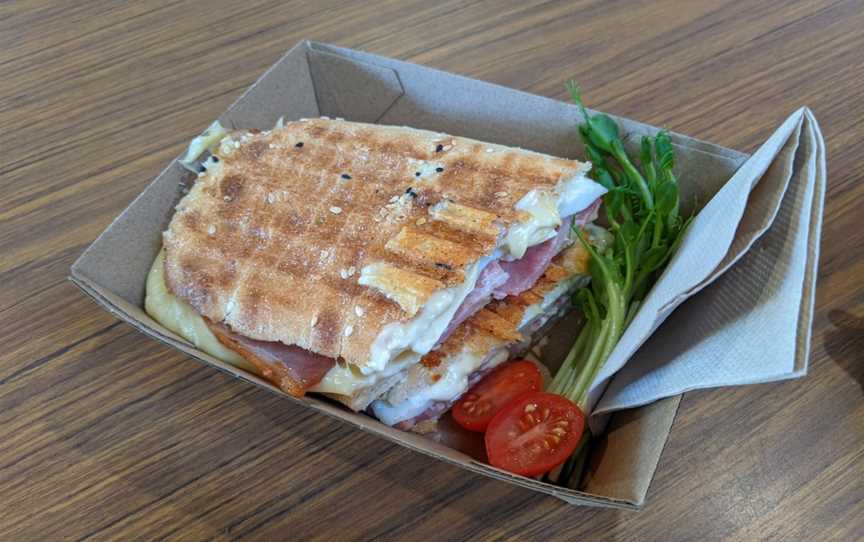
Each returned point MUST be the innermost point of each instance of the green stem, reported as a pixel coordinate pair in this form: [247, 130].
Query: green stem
[579, 391]
[568, 369]
[611, 330]
[633, 174]
[658, 232]
[631, 312]
[628, 267]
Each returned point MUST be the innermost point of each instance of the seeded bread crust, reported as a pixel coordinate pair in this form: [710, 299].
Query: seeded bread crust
[272, 238]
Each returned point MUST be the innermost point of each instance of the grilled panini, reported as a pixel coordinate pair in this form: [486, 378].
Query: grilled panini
[359, 246]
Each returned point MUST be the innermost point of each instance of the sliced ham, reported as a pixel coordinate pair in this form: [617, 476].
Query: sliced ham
[500, 279]
[292, 368]
[524, 272]
[491, 278]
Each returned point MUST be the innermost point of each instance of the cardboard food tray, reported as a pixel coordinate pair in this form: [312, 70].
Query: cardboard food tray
[315, 79]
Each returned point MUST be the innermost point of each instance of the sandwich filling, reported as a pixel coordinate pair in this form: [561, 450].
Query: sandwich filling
[430, 387]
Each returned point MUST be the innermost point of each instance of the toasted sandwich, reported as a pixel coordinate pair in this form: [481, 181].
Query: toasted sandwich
[502, 330]
[333, 256]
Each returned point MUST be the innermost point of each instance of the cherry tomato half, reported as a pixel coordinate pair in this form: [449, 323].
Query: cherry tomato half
[506, 382]
[534, 434]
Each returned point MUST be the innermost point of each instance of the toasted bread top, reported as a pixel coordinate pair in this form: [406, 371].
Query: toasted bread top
[272, 237]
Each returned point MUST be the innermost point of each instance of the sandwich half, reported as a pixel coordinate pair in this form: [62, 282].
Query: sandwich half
[333, 255]
[500, 331]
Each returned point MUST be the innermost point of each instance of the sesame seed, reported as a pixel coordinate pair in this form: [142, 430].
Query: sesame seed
[271, 198]
[448, 147]
[236, 144]
[439, 169]
[500, 194]
[394, 199]
[313, 321]
[490, 149]
[215, 158]
[349, 330]
[211, 229]
[299, 144]
[421, 221]
[358, 310]
[271, 146]
[346, 176]
[351, 270]
[417, 174]
[335, 210]
[343, 273]
[439, 148]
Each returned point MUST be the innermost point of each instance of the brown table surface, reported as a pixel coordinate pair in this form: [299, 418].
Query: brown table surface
[105, 434]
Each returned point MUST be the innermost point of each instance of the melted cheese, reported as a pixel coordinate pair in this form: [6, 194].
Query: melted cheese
[178, 316]
[347, 380]
[458, 369]
[453, 383]
[422, 332]
[546, 210]
[542, 207]
[204, 142]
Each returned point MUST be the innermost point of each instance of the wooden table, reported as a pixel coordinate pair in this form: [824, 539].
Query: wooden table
[107, 435]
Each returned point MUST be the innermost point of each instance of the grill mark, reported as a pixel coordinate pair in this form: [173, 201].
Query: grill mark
[195, 285]
[230, 187]
[254, 149]
[190, 220]
[326, 331]
[469, 240]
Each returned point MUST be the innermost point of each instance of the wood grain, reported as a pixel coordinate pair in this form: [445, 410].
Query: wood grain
[107, 435]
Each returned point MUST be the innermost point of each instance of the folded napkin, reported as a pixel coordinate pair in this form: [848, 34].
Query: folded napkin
[735, 304]
[749, 284]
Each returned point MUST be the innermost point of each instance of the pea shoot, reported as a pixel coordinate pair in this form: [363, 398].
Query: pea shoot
[641, 211]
